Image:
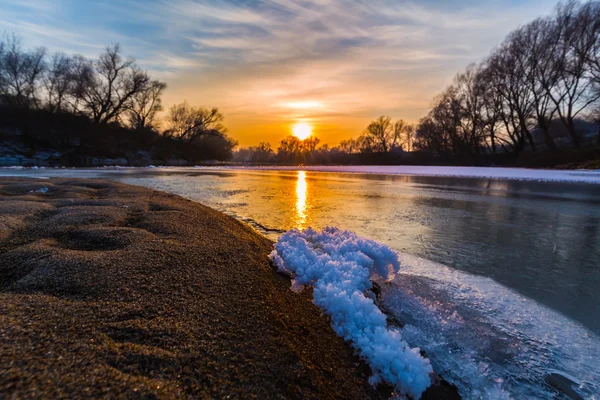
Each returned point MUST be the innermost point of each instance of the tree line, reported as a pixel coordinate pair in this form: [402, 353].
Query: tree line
[541, 81]
[538, 90]
[382, 136]
[109, 90]
[291, 150]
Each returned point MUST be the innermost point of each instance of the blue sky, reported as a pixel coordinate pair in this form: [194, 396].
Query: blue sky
[268, 64]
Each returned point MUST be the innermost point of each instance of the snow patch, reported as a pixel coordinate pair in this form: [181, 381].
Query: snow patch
[340, 266]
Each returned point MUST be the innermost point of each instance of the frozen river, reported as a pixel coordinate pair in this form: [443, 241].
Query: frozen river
[506, 271]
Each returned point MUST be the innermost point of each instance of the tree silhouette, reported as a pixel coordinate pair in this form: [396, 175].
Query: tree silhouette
[20, 73]
[112, 83]
[187, 123]
[145, 106]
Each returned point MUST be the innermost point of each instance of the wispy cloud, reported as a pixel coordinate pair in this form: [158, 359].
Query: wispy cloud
[261, 60]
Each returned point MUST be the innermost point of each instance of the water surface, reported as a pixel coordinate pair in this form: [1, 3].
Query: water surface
[539, 238]
[520, 260]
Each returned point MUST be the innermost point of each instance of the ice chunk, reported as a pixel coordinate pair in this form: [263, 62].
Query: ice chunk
[340, 266]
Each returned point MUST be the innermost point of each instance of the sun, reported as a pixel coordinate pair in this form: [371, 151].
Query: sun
[302, 130]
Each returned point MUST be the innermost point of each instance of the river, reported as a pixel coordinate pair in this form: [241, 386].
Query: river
[507, 272]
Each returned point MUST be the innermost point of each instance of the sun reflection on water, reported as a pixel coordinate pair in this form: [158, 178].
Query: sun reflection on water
[301, 200]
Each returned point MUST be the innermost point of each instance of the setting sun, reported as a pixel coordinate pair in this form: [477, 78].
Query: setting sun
[302, 130]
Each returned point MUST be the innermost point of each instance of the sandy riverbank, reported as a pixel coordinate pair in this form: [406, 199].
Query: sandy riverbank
[114, 290]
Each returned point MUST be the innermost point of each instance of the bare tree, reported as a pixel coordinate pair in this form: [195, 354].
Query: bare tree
[349, 146]
[464, 119]
[110, 86]
[310, 144]
[506, 75]
[403, 135]
[187, 123]
[538, 60]
[590, 13]
[380, 134]
[573, 92]
[58, 82]
[444, 118]
[492, 107]
[430, 136]
[20, 73]
[469, 94]
[289, 145]
[82, 78]
[290, 150]
[145, 105]
[263, 152]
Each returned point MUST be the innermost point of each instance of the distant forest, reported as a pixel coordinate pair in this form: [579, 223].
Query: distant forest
[534, 101]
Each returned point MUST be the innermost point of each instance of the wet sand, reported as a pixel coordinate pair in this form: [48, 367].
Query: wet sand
[110, 290]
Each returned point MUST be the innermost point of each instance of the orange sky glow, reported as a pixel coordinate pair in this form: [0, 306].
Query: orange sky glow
[269, 64]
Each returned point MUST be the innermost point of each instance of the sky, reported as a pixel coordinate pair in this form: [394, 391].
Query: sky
[268, 64]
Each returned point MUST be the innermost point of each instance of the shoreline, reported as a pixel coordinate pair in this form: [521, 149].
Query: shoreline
[578, 176]
[115, 290]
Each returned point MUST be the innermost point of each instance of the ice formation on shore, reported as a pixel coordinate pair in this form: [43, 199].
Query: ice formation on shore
[340, 266]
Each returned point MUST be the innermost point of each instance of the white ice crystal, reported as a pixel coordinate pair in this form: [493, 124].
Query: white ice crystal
[340, 266]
